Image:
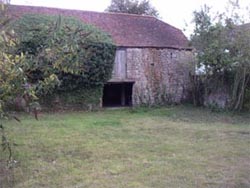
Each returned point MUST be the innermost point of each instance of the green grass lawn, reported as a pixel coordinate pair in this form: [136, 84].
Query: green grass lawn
[161, 147]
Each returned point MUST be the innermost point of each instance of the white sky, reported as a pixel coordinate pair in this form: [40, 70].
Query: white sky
[175, 12]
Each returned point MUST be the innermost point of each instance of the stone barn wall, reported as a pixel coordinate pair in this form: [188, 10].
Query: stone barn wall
[161, 75]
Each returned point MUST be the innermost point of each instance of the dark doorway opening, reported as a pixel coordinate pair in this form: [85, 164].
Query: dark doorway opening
[117, 94]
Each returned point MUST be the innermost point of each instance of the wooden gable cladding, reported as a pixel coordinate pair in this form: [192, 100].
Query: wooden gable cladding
[120, 65]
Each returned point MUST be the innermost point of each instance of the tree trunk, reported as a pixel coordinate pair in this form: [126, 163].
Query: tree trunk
[240, 94]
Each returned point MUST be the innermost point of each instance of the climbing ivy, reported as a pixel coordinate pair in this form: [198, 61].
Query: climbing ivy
[73, 54]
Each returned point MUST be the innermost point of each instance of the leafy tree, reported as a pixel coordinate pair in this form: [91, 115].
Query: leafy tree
[223, 47]
[11, 76]
[13, 80]
[142, 7]
[37, 53]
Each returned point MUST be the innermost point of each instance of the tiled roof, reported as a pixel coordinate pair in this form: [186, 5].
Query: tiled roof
[246, 26]
[126, 30]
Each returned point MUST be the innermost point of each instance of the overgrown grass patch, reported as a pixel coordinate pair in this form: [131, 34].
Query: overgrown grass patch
[176, 146]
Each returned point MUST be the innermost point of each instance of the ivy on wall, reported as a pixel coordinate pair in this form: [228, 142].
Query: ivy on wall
[79, 56]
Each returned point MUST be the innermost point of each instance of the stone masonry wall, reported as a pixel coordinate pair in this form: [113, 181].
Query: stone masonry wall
[161, 75]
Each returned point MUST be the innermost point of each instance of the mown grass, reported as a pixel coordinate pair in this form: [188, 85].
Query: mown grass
[159, 147]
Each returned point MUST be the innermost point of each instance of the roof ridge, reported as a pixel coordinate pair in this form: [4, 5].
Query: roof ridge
[129, 14]
[90, 11]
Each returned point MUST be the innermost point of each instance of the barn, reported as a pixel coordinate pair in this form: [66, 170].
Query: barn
[153, 60]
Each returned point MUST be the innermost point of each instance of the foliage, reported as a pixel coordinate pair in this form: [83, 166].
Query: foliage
[12, 78]
[87, 98]
[38, 53]
[247, 99]
[141, 7]
[63, 50]
[222, 48]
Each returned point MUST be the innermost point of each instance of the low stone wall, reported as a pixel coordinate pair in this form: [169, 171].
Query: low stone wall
[160, 75]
